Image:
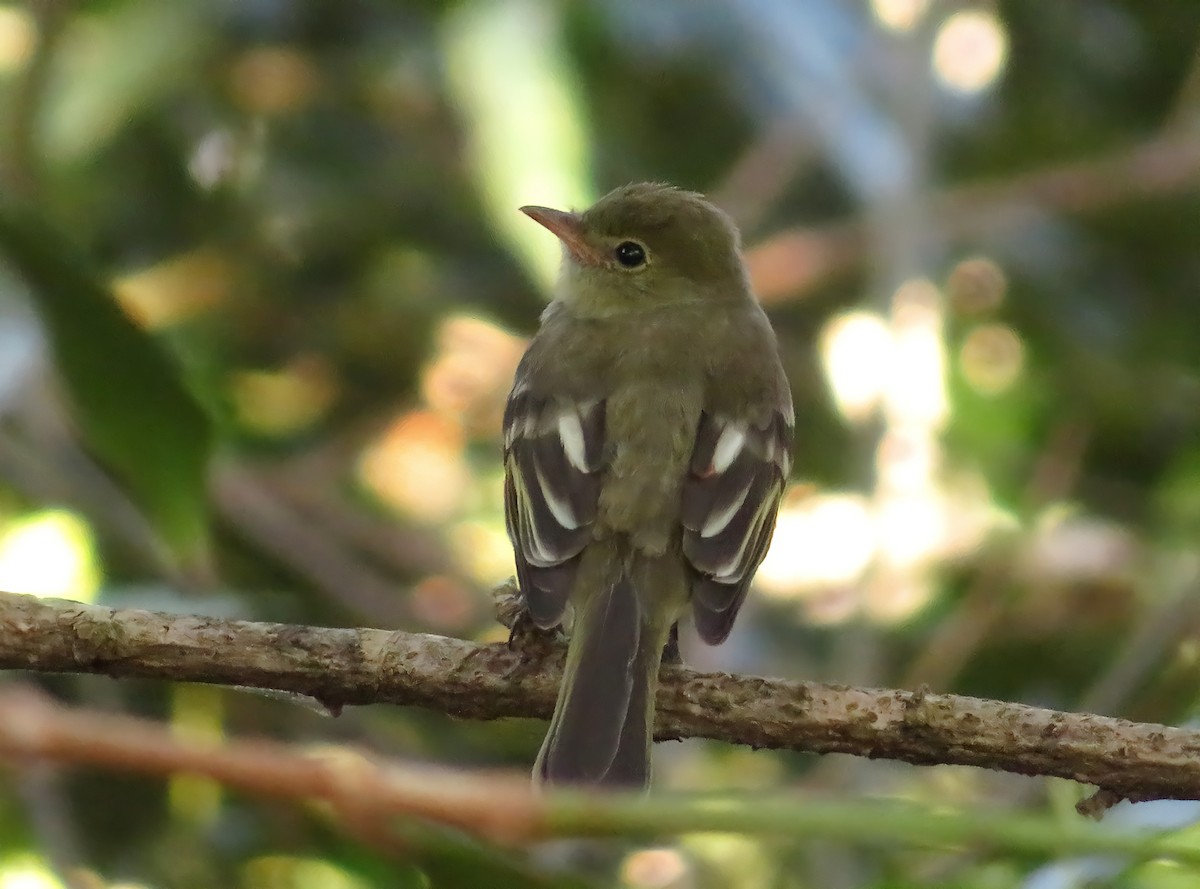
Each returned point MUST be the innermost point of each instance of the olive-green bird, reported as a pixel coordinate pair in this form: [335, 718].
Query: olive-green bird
[647, 439]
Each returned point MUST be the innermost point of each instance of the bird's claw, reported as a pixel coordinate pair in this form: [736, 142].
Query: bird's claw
[525, 635]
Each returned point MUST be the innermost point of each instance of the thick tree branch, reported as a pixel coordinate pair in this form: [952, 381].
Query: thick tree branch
[361, 666]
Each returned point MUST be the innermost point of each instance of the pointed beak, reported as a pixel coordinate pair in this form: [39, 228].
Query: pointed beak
[569, 229]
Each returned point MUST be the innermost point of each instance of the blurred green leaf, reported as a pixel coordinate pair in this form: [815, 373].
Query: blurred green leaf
[126, 394]
[111, 66]
[518, 158]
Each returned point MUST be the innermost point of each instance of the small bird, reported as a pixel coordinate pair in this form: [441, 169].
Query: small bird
[647, 439]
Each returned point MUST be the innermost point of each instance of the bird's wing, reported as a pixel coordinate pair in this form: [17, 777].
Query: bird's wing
[553, 449]
[730, 500]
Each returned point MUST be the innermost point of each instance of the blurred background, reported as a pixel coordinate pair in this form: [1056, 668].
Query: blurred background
[975, 227]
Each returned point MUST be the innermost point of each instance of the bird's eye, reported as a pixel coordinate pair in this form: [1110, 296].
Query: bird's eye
[630, 254]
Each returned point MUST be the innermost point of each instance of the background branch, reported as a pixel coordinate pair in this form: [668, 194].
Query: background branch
[792, 263]
[361, 666]
[366, 794]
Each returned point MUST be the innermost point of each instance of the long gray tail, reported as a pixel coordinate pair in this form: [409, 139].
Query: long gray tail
[600, 733]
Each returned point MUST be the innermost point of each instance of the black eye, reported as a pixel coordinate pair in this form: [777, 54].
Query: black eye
[630, 254]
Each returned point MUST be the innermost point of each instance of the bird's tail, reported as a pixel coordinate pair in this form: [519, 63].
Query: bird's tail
[601, 731]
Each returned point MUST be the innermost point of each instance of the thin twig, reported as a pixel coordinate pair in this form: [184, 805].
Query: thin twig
[258, 513]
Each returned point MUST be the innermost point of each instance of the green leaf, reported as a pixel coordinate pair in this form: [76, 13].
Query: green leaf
[125, 393]
[112, 65]
[519, 159]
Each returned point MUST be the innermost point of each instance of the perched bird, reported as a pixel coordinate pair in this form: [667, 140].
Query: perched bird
[647, 439]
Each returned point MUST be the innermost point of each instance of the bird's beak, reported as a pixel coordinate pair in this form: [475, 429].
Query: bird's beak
[569, 229]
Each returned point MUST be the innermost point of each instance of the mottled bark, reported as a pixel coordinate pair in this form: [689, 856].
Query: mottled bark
[362, 666]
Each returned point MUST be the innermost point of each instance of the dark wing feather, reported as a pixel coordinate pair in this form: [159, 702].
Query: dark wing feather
[730, 501]
[553, 450]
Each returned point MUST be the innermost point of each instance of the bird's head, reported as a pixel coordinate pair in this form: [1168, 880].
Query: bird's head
[645, 246]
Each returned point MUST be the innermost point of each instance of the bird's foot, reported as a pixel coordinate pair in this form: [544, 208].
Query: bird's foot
[526, 636]
[510, 604]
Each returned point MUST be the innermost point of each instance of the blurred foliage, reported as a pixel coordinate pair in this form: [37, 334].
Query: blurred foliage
[975, 229]
[133, 410]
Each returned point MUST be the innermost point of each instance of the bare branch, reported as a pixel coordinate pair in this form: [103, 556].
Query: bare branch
[796, 261]
[363, 666]
[356, 786]
[366, 793]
